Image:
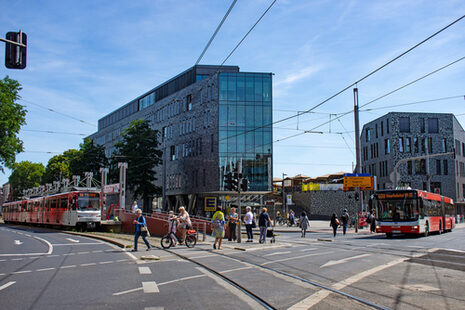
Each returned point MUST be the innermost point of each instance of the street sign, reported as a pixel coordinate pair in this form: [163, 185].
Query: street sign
[210, 203]
[363, 182]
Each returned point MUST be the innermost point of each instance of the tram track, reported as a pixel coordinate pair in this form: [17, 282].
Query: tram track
[262, 301]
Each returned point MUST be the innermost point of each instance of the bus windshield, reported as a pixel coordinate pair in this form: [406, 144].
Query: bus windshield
[88, 201]
[397, 209]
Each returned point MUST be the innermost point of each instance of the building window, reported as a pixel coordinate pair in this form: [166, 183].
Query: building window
[438, 166]
[404, 124]
[188, 102]
[409, 167]
[367, 132]
[401, 145]
[376, 131]
[211, 143]
[415, 145]
[382, 129]
[172, 152]
[422, 125]
[436, 187]
[386, 146]
[408, 146]
[457, 147]
[423, 145]
[444, 145]
[387, 125]
[420, 166]
[433, 125]
[430, 145]
[463, 149]
[445, 167]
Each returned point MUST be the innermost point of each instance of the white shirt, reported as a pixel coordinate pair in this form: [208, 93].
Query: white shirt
[248, 218]
[134, 208]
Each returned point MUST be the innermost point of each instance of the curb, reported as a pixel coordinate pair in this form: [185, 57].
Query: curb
[109, 240]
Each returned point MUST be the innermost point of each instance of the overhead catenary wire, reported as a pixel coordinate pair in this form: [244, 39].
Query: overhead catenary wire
[60, 113]
[216, 31]
[56, 132]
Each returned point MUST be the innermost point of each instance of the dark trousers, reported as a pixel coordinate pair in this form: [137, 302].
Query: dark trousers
[248, 227]
[232, 231]
[334, 230]
[344, 228]
[136, 237]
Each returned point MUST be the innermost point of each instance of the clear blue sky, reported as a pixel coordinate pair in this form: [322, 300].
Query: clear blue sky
[87, 58]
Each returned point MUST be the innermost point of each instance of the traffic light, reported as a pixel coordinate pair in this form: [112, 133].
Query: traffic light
[235, 182]
[15, 55]
[356, 197]
[228, 181]
[245, 185]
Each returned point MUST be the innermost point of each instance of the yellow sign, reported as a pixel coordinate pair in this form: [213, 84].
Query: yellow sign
[227, 198]
[365, 183]
[210, 203]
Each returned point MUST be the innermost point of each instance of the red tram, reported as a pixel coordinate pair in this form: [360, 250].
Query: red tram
[79, 208]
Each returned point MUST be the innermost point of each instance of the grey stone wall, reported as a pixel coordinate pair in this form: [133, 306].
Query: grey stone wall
[322, 204]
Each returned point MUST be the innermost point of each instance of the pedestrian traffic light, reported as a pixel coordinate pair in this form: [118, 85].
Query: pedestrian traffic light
[15, 55]
[228, 181]
[245, 185]
[356, 196]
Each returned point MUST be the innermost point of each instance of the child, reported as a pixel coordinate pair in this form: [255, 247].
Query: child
[173, 223]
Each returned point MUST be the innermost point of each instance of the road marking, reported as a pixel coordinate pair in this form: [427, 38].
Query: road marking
[75, 244]
[2, 260]
[145, 270]
[121, 260]
[296, 257]
[128, 291]
[154, 308]
[308, 249]
[17, 258]
[182, 279]
[242, 296]
[45, 269]
[73, 240]
[336, 262]
[69, 266]
[150, 287]
[99, 251]
[20, 272]
[89, 264]
[4, 286]
[82, 252]
[278, 253]
[107, 262]
[54, 255]
[18, 242]
[237, 269]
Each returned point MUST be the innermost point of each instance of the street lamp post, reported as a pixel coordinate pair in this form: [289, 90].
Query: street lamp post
[284, 196]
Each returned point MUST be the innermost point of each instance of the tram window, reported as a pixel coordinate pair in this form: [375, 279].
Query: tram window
[64, 203]
[53, 204]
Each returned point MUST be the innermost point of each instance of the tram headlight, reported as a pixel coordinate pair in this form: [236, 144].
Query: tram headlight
[415, 227]
[378, 227]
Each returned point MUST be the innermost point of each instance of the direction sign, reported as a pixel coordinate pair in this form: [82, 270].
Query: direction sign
[363, 182]
[210, 203]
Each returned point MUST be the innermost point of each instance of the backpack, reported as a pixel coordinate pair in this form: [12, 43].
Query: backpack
[369, 219]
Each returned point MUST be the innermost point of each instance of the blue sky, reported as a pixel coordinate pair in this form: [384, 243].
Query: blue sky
[87, 58]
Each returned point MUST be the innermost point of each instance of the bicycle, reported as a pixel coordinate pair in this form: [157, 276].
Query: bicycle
[191, 239]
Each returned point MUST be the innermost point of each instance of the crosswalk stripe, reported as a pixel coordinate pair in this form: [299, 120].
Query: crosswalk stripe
[145, 270]
[150, 287]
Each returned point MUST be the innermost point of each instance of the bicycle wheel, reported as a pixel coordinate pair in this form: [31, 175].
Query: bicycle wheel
[191, 241]
[166, 242]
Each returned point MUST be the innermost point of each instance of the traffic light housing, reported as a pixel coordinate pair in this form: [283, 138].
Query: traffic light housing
[235, 182]
[356, 197]
[245, 185]
[15, 56]
[228, 181]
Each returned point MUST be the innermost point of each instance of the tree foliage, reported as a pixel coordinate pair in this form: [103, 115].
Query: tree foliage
[91, 158]
[25, 175]
[139, 148]
[57, 168]
[12, 117]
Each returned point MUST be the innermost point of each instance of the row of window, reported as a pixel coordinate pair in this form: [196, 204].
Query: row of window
[188, 149]
[245, 87]
[368, 130]
[433, 124]
[419, 167]
[459, 148]
[176, 107]
[118, 115]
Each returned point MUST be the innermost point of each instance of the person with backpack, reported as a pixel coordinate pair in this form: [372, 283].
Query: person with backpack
[345, 221]
[218, 227]
[371, 220]
[263, 222]
[304, 223]
[334, 223]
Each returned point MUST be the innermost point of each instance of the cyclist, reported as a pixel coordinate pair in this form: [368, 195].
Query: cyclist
[173, 220]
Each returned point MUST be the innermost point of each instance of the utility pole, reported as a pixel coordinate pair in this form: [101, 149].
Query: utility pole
[103, 173]
[284, 205]
[239, 184]
[358, 163]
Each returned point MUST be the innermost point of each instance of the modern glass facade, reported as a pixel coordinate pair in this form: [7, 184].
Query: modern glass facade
[245, 125]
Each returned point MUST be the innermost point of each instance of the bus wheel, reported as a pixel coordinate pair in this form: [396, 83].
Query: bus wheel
[426, 230]
[389, 235]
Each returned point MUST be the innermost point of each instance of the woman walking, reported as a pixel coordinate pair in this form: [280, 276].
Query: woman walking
[218, 227]
[249, 220]
[334, 223]
[263, 222]
[141, 230]
[304, 223]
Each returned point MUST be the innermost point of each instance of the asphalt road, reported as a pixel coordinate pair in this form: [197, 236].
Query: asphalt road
[42, 269]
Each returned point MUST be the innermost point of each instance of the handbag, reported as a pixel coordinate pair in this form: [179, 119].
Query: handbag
[254, 225]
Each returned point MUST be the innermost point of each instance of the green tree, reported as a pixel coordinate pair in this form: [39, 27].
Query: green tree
[139, 148]
[25, 175]
[57, 169]
[12, 117]
[91, 158]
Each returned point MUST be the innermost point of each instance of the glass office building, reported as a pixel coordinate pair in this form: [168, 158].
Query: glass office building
[245, 125]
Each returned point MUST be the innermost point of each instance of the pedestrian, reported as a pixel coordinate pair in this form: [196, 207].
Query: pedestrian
[173, 220]
[372, 221]
[345, 221]
[334, 223]
[263, 222]
[304, 223]
[135, 207]
[232, 221]
[291, 217]
[249, 221]
[218, 227]
[141, 230]
[184, 223]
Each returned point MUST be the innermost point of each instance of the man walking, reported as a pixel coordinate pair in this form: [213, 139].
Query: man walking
[345, 221]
